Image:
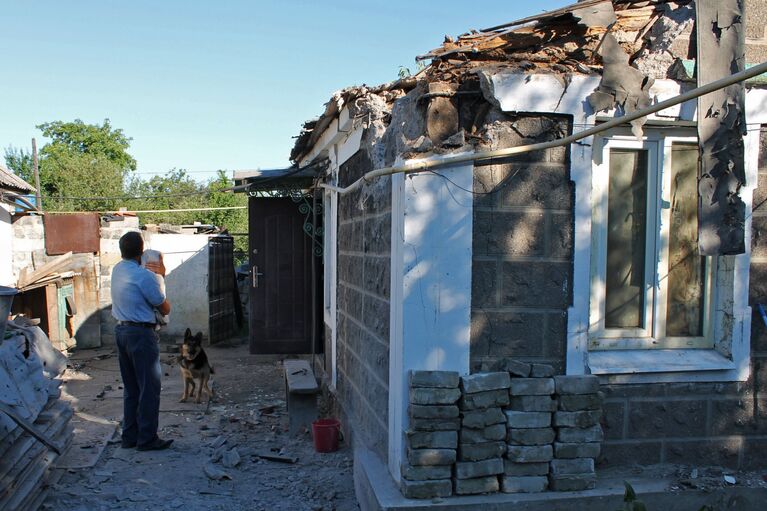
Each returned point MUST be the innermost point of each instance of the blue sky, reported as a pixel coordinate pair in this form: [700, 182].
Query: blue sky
[206, 85]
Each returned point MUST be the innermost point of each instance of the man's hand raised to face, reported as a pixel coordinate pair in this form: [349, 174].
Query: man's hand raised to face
[157, 267]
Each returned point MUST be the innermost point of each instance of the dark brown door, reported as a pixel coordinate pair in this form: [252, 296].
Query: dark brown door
[280, 277]
[222, 288]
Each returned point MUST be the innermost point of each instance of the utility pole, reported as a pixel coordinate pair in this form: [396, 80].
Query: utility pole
[38, 196]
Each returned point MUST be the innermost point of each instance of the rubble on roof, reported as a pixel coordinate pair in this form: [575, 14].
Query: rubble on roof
[629, 42]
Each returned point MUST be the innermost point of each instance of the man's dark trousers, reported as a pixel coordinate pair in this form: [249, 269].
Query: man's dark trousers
[139, 356]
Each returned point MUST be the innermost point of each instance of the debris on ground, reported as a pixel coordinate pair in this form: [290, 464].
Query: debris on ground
[238, 457]
[34, 423]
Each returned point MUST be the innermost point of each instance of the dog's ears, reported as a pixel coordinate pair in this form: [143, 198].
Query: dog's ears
[198, 338]
[187, 334]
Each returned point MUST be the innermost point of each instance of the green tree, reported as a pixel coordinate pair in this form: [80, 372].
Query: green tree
[83, 160]
[174, 190]
[20, 162]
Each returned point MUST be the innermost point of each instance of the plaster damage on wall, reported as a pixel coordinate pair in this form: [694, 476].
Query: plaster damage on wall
[721, 127]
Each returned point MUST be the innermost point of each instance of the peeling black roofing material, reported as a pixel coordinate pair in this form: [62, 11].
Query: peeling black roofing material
[721, 127]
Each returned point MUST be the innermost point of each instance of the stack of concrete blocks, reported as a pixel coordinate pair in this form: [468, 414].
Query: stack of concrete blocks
[579, 434]
[483, 432]
[530, 432]
[432, 437]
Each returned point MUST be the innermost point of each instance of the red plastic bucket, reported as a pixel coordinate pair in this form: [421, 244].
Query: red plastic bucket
[326, 433]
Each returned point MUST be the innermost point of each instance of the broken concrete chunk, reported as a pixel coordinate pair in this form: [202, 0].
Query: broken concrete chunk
[438, 379]
[516, 419]
[432, 439]
[482, 418]
[582, 419]
[573, 435]
[484, 451]
[533, 404]
[541, 371]
[426, 489]
[422, 144]
[535, 436]
[575, 482]
[572, 466]
[577, 384]
[574, 403]
[522, 484]
[482, 382]
[435, 425]
[433, 412]
[476, 486]
[458, 139]
[474, 469]
[214, 473]
[434, 396]
[530, 453]
[431, 457]
[426, 473]
[218, 442]
[487, 399]
[482, 435]
[511, 468]
[231, 458]
[516, 368]
[577, 450]
[532, 387]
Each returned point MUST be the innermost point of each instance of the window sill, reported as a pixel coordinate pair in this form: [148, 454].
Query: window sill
[622, 362]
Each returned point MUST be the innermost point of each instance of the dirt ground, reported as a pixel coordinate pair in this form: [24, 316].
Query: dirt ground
[247, 418]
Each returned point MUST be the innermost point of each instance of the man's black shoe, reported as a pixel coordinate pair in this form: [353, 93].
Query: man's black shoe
[127, 445]
[155, 445]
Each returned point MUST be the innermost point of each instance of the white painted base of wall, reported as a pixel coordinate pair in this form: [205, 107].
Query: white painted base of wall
[432, 222]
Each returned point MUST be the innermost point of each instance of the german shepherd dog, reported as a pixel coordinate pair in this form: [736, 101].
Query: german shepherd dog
[194, 365]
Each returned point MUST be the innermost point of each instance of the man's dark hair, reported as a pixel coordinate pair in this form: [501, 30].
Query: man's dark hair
[131, 245]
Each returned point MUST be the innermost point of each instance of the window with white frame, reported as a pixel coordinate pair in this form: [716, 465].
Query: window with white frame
[650, 288]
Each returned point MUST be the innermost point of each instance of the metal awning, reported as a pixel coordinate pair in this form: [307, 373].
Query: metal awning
[270, 180]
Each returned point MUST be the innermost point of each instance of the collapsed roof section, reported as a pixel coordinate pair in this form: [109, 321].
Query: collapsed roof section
[629, 42]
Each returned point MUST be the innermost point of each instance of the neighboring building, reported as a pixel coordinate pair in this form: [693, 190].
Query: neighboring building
[604, 256]
[11, 186]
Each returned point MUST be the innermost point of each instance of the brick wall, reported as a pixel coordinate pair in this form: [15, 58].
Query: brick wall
[522, 248]
[364, 259]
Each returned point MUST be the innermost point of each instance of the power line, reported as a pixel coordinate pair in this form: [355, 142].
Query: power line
[130, 197]
[181, 210]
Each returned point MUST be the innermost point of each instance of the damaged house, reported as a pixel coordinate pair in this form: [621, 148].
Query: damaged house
[633, 253]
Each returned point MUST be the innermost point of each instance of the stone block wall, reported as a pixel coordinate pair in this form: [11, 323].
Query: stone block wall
[521, 276]
[364, 261]
[519, 429]
[522, 247]
[721, 424]
[28, 243]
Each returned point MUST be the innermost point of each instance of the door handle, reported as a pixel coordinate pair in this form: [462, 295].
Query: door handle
[255, 274]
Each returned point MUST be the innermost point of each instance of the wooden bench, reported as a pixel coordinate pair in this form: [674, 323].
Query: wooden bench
[301, 391]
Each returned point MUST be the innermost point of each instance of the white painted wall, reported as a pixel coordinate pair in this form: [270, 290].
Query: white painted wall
[6, 246]
[430, 285]
[186, 280]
